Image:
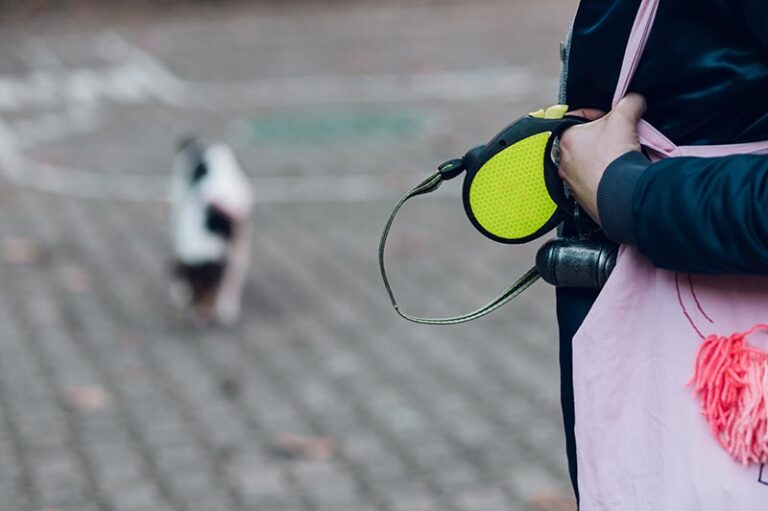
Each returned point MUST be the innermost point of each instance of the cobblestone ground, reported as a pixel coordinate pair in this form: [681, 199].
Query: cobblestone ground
[321, 399]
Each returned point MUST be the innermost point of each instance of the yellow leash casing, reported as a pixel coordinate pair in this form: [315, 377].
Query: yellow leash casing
[512, 190]
[512, 194]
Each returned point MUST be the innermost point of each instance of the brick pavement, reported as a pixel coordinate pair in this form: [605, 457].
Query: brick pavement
[321, 399]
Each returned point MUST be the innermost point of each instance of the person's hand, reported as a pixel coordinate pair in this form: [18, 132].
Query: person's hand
[586, 150]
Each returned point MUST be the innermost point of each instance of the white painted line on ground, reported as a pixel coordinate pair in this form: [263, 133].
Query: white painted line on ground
[128, 83]
[113, 47]
[510, 83]
[18, 170]
[54, 126]
[39, 55]
[136, 76]
[10, 157]
[154, 188]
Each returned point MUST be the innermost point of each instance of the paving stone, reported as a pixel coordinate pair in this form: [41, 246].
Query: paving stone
[111, 401]
[484, 499]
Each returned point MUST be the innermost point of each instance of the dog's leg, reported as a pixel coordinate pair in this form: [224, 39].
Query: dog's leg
[228, 301]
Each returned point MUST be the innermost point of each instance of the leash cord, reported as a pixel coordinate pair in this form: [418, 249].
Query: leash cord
[429, 185]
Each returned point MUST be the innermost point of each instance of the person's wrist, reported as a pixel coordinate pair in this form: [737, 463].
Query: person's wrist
[615, 194]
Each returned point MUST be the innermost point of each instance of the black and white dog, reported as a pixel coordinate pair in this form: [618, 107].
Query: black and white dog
[211, 200]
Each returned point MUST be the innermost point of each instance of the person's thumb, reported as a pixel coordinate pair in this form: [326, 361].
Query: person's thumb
[590, 114]
[631, 107]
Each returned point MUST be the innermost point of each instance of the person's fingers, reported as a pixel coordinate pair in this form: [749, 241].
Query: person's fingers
[632, 107]
[591, 114]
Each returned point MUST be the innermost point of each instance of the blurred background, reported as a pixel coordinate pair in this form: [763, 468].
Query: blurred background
[321, 398]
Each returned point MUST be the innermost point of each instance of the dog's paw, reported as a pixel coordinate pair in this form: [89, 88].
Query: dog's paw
[228, 312]
[180, 295]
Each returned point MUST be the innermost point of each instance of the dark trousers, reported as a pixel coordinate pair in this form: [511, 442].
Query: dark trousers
[572, 307]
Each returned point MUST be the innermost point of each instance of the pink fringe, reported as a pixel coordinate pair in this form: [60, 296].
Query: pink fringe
[731, 380]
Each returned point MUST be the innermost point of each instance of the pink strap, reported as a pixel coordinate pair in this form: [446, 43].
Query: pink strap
[662, 147]
[635, 46]
[658, 144]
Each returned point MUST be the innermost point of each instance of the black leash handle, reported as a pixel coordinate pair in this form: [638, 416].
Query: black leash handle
[446, 171]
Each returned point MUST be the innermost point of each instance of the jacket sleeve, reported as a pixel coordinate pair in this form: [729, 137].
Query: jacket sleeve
[697, 215]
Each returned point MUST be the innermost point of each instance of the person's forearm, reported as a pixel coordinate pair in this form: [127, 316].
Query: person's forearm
[700, 215]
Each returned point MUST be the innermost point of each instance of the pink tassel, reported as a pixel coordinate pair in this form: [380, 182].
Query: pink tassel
[731, 380]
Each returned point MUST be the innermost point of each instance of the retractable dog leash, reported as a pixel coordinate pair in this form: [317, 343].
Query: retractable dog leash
[512, 193]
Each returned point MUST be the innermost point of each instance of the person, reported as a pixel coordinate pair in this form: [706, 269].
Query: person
[702, 80]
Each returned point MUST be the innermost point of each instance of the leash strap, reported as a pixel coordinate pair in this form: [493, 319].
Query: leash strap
[429, 185]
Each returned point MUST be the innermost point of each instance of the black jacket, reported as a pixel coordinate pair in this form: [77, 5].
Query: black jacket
[704, 74]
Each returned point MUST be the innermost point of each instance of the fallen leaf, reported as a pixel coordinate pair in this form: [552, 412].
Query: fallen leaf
[552, 502]
[21, 251]
[88, 398]
[312, 448]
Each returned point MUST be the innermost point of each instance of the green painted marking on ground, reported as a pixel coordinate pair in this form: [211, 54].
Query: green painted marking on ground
[334, 126]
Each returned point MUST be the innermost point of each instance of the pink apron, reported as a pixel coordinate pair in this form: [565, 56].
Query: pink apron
[642, 441]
